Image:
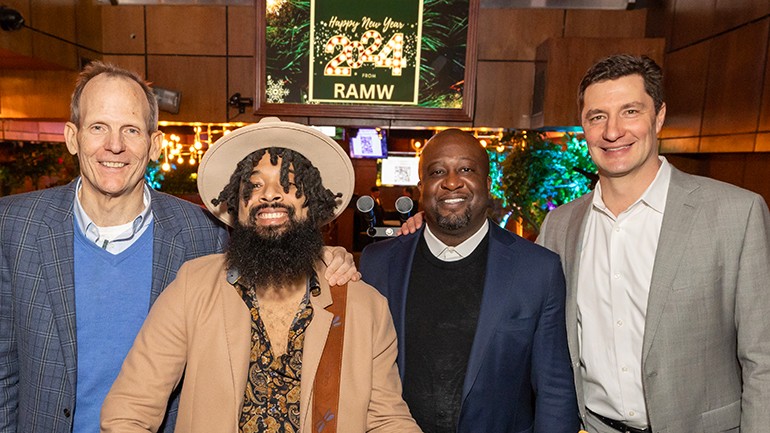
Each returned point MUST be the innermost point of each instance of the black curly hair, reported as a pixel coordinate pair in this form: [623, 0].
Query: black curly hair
[320, 201]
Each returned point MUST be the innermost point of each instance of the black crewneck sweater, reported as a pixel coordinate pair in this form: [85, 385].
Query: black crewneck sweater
[442, 310]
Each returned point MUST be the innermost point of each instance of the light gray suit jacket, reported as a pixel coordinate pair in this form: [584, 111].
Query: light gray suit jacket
[706, 349]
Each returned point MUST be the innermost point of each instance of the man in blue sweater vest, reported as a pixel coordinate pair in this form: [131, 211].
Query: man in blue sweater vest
[81, 264]
[479, 311]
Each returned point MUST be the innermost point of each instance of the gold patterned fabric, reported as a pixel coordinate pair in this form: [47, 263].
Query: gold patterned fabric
[271, 404]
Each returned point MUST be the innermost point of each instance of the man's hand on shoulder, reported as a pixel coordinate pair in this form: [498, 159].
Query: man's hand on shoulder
[340, 267]
[412, 224]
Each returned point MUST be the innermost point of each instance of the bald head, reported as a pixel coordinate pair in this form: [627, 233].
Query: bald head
[462, 144]
[454, 183]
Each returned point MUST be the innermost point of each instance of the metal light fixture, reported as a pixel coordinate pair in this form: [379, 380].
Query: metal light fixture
[239, 102]
[10, 19]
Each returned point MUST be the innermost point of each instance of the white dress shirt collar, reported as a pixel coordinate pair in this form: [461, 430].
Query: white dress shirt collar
[654, 196]
[446, 253]
[114, 239]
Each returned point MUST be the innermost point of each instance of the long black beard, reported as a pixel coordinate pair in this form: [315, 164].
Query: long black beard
[270, 257]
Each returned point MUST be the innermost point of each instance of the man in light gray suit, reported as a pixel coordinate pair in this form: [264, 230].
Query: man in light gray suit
[668, 276]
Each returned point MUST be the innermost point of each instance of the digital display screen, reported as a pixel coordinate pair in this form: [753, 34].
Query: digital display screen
[399, 170]
[369, 143]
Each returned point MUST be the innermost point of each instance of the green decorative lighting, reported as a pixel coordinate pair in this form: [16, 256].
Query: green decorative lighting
[533, 174]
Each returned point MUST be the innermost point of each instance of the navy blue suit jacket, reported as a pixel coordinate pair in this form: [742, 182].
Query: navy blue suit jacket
[519, 377]
[38, 347]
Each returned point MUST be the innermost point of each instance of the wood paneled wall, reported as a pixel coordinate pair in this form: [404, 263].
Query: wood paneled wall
[717, 67]
[204, 52]
[508, 42]
[559, 72]
[36, 94]
[716, 61]
[717, 76]
[717, 82]
[207, 53]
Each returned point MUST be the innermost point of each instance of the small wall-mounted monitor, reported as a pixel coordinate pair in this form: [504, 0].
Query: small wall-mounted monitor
[369, 143]
[399, 170]
[331, 131]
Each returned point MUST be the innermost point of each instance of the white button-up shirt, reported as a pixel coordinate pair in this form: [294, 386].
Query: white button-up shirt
[616, 261]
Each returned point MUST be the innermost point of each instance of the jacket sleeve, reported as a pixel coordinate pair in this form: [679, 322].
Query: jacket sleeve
[556, 409]
[223, 238]
[154, 365]
[541, 240]
[366, 265]
[9, 361]
[752, 308]
[373, 266]
[548, 236]
[387, 411]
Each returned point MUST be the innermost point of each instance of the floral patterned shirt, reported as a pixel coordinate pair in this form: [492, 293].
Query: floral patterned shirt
[271, 403]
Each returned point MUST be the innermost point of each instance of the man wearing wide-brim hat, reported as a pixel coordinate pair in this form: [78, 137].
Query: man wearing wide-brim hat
[264, 344]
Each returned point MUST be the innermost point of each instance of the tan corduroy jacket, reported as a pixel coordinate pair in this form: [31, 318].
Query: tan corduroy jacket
[201, 327]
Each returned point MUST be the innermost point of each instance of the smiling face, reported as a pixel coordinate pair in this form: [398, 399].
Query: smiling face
[268, 208]
[621, 129]
[112, 142]
[454, 181]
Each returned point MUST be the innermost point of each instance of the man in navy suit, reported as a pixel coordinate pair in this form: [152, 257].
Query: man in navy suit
[479, 311]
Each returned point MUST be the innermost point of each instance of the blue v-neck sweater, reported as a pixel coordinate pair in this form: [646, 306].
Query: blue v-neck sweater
[112, 298]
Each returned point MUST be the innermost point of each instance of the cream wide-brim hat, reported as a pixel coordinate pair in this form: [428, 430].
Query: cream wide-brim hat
[220, 161]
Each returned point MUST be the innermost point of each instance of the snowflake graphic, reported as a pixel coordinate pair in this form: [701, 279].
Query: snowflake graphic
[275, 91]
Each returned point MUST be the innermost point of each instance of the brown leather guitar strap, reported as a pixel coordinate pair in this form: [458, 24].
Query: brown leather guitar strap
[326, 392]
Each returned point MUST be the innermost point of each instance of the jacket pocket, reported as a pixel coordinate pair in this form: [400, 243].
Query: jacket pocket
[724, 419]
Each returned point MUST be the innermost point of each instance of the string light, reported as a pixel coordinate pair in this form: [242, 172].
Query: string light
[274, 6]
[175, 151]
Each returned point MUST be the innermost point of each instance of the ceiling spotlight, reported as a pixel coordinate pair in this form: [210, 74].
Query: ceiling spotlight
[10, 19]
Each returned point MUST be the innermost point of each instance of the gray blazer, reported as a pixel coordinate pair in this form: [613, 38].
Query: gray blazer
[38, 347]
[706, 349]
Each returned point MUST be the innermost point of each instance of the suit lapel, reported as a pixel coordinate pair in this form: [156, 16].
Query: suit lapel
[496, 284]
[574, 244]
[573, 248]
[398, 286]
[57, 256]
[167, 253]
[571, 263]
[237, 320]
[681, 207]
